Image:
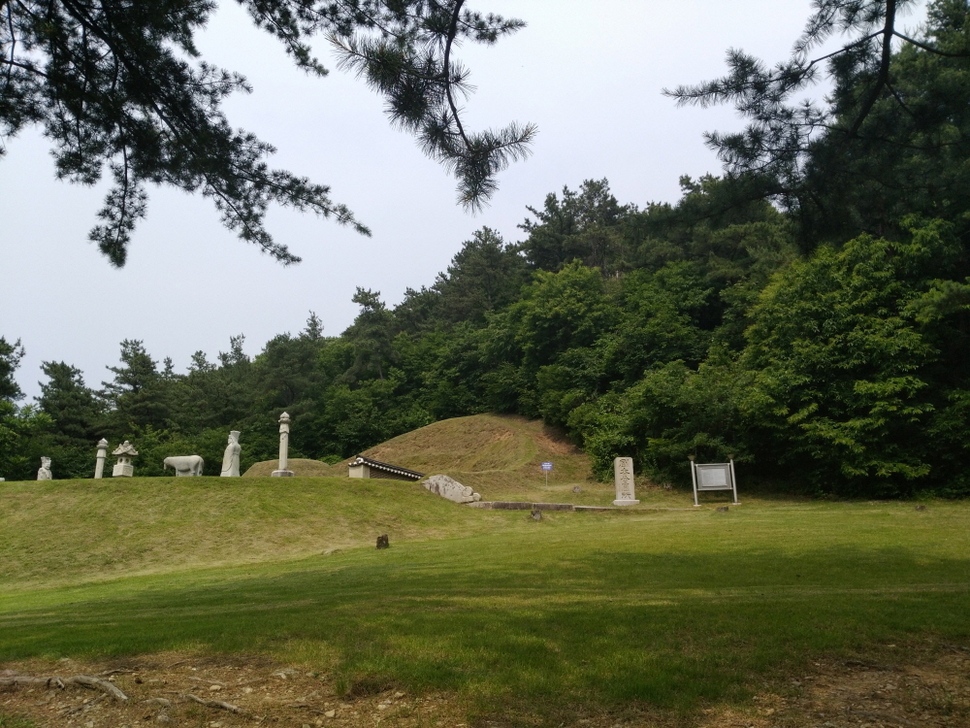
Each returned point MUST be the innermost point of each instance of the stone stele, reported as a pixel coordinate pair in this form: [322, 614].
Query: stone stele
[451, 489]
[623, 477]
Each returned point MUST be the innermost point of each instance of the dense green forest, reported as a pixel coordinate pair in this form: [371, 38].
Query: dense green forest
[809, 318]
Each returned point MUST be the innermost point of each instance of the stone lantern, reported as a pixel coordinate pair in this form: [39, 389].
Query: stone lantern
[125, 452]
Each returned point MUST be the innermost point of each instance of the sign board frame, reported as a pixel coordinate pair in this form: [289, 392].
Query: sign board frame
[714, 476]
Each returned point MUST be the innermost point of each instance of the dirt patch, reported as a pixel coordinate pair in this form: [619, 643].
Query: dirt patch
[924, 687]
[211, 691]
[911, 687]
[556, 445]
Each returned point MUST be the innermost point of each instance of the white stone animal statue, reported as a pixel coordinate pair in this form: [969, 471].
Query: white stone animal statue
[185, 465]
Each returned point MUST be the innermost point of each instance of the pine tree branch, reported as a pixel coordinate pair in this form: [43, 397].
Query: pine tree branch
[452, 31]
[929, 48]
[883, 77]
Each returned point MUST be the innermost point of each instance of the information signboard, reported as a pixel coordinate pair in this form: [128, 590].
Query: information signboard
[713, 476]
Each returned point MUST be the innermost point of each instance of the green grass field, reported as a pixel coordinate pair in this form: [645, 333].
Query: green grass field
[662, 604]
[675, 608]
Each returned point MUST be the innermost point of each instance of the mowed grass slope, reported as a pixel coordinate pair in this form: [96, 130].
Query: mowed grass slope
[526, 622]
[579, 611]
[61, 531]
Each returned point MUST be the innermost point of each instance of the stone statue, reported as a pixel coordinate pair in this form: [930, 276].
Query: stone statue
[45, 469]
[451, 489]
[230, 460]
[186, 466]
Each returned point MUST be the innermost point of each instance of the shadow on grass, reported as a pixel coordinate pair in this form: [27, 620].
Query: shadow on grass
[584, 629]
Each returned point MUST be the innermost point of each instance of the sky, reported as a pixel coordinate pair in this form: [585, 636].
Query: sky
[588, 74]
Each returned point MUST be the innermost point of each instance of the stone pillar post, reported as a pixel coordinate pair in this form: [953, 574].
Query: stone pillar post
[283, 471]
[623, 477]
[102, 454]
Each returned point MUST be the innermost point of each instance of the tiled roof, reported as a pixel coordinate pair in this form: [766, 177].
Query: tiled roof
[386, 467]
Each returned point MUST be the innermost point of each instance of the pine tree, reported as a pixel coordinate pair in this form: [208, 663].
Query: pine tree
[120, 89]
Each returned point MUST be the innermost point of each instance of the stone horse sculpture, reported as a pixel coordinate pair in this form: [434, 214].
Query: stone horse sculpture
[185, 465]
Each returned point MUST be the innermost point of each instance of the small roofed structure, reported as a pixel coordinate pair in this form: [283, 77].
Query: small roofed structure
[361, 467]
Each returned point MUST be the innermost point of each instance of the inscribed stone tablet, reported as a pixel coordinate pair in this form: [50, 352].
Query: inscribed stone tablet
[623, 478]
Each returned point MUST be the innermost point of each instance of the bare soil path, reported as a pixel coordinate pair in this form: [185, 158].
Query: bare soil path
[925, 687]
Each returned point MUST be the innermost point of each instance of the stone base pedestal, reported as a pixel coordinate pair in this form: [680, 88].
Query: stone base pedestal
[281, 474]
[625, 502]
[122, 470]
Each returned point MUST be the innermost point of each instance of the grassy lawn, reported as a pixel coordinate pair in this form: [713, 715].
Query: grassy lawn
[666, 605]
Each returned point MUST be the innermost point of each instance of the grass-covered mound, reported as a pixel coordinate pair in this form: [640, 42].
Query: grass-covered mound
[481, 443]
[497, 455]
[500, 457]
[301, 467]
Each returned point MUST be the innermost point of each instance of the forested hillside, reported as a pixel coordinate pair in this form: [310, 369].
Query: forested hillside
[810, 319]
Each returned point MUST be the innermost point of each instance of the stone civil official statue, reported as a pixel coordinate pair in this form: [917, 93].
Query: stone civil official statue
[230, 460]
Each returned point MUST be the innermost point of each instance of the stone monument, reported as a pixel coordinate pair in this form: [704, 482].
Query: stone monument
[185, 466]
[230, 459]
[623, 478]
[451, 489]
[99, 462]
[283, 471]
[123, 468]
[44, 473]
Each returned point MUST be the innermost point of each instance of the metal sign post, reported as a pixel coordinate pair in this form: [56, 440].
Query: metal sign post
[546, 467]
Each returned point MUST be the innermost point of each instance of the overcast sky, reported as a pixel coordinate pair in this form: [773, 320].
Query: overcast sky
[589, 74]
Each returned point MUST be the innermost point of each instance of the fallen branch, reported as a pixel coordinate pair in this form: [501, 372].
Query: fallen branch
[48, 682]
[95, 683]
[53, 681]
[215, 704]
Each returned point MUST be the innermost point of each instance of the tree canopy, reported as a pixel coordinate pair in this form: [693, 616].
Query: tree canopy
[121, 90]
[835, 160]
[698, 328]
